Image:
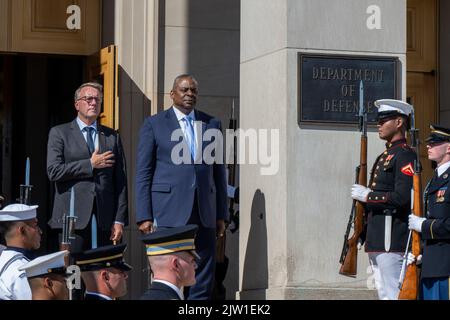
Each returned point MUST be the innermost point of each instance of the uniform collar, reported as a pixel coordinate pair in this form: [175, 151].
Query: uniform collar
[27, 253]
[98, 295]
[442, 168]
[171, 285]
[395, 143]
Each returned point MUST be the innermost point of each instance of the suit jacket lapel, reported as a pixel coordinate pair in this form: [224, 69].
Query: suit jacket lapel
[172, 121]
[78, 137]
[199, 117]
[101, 139]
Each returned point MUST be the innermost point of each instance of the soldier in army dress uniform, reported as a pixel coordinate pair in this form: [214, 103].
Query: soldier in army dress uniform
[104, 272]
[435, 226]
[172, 258]
[387, 198]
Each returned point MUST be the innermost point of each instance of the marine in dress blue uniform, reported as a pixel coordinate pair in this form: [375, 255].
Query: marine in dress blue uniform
[435, 226]
[388, 198]
[175, 267]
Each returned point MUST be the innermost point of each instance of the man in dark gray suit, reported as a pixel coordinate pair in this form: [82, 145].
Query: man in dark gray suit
[88, 157]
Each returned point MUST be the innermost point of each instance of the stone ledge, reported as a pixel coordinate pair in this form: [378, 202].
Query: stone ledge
[299, 293]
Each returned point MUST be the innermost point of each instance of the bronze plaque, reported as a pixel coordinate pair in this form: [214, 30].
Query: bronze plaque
[329, 86]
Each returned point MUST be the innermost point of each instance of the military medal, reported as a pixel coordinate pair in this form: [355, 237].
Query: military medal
[388, 159]
[440, 195]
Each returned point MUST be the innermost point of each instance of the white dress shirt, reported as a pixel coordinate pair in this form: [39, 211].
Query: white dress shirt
[442, 168]
[83, 125]
[174, 287]
[180, 116]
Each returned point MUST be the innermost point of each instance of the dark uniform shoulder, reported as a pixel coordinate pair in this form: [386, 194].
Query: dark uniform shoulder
[158, 294]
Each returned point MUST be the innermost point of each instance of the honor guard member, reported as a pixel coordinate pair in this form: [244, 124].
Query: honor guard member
[435, 226]
[19, 226]
[172, 258]
[104, 272]
[388, 198]
[47, 276]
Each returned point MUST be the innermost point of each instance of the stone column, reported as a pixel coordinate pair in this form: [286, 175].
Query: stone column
[293, 222]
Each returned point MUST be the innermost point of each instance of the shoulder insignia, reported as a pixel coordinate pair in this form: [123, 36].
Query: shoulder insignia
[408, 170]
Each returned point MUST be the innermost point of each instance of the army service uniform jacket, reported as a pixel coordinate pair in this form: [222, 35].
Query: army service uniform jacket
[389, 203]
[160, 291]
[436, 229]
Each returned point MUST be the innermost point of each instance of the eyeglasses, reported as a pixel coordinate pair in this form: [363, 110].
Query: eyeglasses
[90, 99]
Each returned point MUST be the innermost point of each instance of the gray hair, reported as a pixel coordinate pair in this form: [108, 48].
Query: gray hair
[95, 85]
[183, 76]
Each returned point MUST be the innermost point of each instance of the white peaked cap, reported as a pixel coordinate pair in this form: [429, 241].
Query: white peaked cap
[386, 105]
[44, 264]
[17, 212]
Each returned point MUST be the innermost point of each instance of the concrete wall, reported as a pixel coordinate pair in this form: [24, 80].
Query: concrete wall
[135, 35]
[300, 214]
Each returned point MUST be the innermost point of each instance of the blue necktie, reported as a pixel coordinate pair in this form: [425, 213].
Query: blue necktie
[190, 135]
[89, 140]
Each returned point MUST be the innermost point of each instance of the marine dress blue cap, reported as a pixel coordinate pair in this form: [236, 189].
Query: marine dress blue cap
[438, 134]
[389, 108]
[50, 263]
[171, 240]
[17, 212]
[102, 257]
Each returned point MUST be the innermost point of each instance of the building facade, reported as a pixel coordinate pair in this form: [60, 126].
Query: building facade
[292, 221]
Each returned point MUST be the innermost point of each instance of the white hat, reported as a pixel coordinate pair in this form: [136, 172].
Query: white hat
[17, 212]
[390, 107]
[45, 264]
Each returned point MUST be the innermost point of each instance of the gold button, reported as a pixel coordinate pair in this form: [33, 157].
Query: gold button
[374, 184]
[378, 167]
[375, 176]
[385, 152]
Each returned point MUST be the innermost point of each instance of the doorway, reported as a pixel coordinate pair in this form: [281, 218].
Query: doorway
[36, 93]
[422, 71]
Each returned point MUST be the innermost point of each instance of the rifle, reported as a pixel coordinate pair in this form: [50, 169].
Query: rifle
[409, 280]
[221, 258]
[25, 189]
[68, 234]
[349, 256]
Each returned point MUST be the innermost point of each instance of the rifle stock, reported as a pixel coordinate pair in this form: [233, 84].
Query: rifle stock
[350, 260]
[409, 287]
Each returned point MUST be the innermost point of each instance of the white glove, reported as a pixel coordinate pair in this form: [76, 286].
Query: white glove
[411, 258]
[360, 192]
[359, 245]
[415, 222]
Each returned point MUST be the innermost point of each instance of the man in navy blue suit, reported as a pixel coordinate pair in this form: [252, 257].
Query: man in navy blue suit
[172, 193]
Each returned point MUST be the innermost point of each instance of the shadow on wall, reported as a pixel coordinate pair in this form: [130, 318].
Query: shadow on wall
[134, 108]
[255, 275]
